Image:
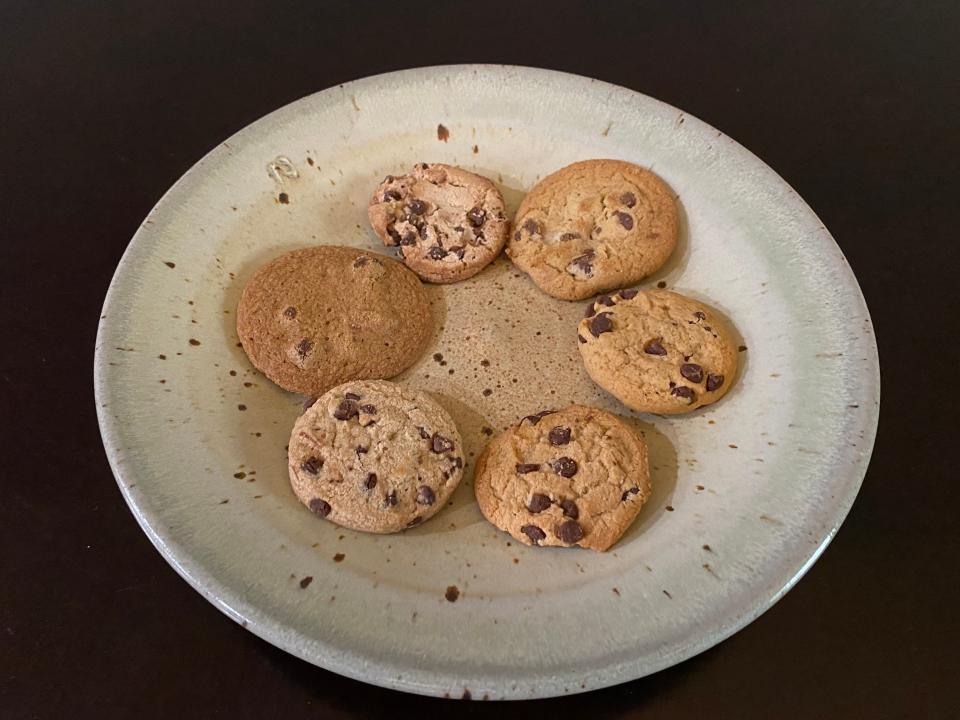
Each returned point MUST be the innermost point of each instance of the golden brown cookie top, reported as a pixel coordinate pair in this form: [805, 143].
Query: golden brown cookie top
[577, 476]
[658, 351]
[373, 456]
[314, 318]
[593, 226]
[446, 223]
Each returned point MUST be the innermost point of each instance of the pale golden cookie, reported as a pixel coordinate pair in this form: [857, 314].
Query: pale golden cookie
[578, 476]
[446, 223]
[593, 226]
[658, 351]
[373, 456]
[317, 317]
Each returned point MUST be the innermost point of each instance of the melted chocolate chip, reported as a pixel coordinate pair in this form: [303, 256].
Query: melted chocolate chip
[312, 465]
[361, 450]
[628, 199]
[629, 293]
[538, 503]
[534, 533]
[320, 507]
[531, 226]
[368, 409]
[352, 396]
[476, 216]
[583, 263]
[567, 467]
[601, 324]
[423, 433]
[304, 347]
[534, 419]
[409, 238]
[458, 462]
[416, 206]
[524, 468]
[371, 482]
[425, 495]
[714, 381]
[437, 253]
[416, 521]
[290, 312]
[653, 347]
[581, 338]
[459, 251]
[568, 236]
[559, 435]
[625, 219]
[391, 499]
[345, 410]
[440, 444]
[699, 315]
[692, 372]
[684, 392]
[570, 509]
[629, 492]
[516, 236]
[606, 300]
[590, 311]
[360, 262]
[570, 531]
[391, 195]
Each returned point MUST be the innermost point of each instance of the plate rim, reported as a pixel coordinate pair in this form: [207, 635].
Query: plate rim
[351, 664]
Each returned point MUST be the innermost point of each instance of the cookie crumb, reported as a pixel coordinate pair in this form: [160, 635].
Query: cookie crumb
[306, 581]
[442, 133]
[453, 592]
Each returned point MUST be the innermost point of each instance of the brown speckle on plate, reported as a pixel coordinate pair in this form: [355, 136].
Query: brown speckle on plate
[442, 133]
[452, 593]
[306, 581]
[339, 557]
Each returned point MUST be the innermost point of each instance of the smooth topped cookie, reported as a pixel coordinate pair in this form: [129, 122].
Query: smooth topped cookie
[447, 223]
[658, 351]
[578, 476]
[317, 317]
[594, 226]
[373, 456]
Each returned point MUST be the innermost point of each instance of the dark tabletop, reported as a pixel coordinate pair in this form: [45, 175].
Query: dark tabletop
[104, 105]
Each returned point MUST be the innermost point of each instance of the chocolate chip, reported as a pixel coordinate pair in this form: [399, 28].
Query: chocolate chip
[361, 450]
[409, 238]
[290, 312]
[305, 582]
[692, 372]
[531, 226]
[416, 521]
[391, 499]
[312, 465]
[304, 346]
[606, 300]
[583, 263]
[538, 503]
[352, 396]
[713, 382]
[423, 433]
[628, 199]
[425, 495]
[516, 236]
[283, 198]
[570, 509]
[368, 409]
[629, 492]
[699, 315]
[476, 216]
[416, 206]
[625, 219]
[570, 531]
[345, 410]
[360, 262]
[391, 195]
[566, 237]
[458, 462]
[629, 293]
[581, 338]
[559, 435]
[653, 347]
[459, 251]
[684, 392]
[320, 507]
[567, 467]
[590, 311]
[524, 468]
[601, 324]
[440, 444]
[534, 533]
[371, 481]
[437, 253]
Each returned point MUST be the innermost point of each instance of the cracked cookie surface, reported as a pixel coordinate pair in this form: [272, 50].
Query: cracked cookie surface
[577, 476]
[314, 318]
[375, 457]
[446, 223]
[658, 351]
[593, 226]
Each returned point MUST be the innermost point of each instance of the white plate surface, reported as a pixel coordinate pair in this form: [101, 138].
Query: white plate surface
[747, 493]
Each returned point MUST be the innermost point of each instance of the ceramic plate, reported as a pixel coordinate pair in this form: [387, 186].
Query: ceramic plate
[747, 493]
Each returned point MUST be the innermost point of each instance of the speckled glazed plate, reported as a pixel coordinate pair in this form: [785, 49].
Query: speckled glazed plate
[747, 493]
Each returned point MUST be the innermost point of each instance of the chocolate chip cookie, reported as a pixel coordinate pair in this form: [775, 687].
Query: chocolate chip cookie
[373, 456]
[593, 226]
[658, 351]
[446, 223]
[578, 476]
[317, 317]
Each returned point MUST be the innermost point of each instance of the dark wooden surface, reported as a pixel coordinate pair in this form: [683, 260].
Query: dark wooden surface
[104, 105]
